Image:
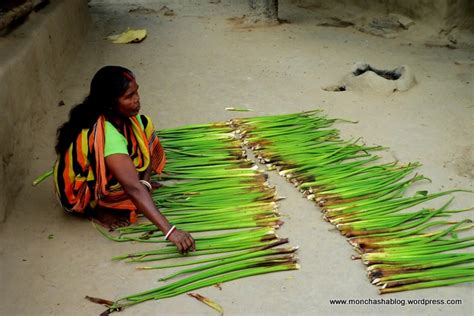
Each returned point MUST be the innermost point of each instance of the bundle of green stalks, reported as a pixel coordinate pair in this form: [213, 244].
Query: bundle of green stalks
[208, 185]
[245, 266]
[404, 248]
[211, 244]
[211, 190]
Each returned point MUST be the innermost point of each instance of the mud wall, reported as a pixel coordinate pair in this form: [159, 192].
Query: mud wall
[460, 13]
[445, 13]
[33, 57]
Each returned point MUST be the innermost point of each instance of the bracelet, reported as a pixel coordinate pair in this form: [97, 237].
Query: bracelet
[170, 232]
[146, 184]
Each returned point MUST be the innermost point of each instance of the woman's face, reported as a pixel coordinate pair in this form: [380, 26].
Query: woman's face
[129, 102]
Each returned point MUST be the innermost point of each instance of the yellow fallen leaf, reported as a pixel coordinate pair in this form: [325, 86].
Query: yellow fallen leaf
[208, 302]
[130, 36]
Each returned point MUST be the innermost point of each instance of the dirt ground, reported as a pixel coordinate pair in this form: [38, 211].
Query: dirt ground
[193, 65]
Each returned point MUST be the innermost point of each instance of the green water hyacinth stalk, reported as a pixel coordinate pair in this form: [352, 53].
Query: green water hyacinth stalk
[201, 280]
[366, 201]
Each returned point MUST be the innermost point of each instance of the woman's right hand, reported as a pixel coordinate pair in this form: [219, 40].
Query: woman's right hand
[183, 241]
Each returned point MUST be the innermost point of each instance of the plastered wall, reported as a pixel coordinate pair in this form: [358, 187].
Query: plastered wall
[32, 58]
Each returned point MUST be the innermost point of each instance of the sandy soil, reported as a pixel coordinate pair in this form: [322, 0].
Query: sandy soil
[190, 67]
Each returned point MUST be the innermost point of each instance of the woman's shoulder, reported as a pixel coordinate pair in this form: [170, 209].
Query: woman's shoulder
[144, 120]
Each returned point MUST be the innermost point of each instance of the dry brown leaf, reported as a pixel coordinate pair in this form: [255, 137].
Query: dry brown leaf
[100, 301]
[208, 302]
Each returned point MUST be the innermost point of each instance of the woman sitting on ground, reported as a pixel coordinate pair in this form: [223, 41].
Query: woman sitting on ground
[106, 154]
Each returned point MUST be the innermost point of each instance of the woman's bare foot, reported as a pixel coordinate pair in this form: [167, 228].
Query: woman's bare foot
[109, 218]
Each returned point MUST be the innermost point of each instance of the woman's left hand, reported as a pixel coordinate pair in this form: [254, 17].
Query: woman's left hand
[183, 241]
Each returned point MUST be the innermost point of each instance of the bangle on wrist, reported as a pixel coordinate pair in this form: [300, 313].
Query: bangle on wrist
[146, 184]
[172, 229]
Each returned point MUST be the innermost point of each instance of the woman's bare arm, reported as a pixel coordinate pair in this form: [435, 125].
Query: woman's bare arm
[122, 168]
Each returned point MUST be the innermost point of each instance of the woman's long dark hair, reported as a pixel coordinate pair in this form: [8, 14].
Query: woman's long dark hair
[108, 84]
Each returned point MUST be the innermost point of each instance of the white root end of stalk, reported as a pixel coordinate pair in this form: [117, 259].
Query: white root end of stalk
[254, 167]
[334, 221]
[310, 197]
[297, 266]
[279, 198]
[354, 257]
[358, 249]
[376, 281]
[352, 241]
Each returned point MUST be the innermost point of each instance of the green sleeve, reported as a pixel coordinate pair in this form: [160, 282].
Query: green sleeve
[115, 143]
